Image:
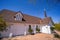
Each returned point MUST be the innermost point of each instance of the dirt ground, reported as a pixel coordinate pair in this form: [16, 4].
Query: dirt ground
[39, 36]
[58, 32]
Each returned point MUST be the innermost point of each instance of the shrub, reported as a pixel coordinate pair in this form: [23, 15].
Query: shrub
[56, 35]
[37, 29]
[30, 30]
[52, 28]
[3, 24]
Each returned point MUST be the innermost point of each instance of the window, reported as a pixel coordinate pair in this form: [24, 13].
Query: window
[37, 28]
[18, 17]
[29, 26]
[14, 16]
[30, 29]
[36, 25]
[23, 19]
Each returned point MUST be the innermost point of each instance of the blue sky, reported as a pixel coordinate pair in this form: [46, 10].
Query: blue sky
[34, 8]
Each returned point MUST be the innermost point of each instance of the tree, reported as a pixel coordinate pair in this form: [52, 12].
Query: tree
[3, 24]
[57, 26]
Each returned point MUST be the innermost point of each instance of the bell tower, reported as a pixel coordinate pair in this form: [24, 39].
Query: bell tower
[45, 15]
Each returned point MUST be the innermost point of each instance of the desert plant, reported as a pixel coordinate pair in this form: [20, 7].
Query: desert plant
[30, 30]
[37, 29]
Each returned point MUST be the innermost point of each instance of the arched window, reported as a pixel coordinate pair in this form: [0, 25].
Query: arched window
[29, 26]
[37, 28]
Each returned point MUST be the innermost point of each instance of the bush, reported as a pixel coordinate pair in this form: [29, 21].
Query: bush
[30, 30]
[37, 29]
[3, 24]
[56, 35]
[52, 28]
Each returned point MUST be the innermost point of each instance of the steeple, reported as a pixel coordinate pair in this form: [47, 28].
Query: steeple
[45, 15]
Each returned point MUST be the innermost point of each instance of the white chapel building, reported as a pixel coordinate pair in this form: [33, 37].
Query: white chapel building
[19, 23]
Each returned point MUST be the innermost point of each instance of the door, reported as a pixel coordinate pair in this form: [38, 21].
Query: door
[45, 29]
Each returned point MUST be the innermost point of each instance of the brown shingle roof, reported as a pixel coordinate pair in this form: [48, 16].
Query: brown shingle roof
[46, 20]
[31, 19]
[9, 17]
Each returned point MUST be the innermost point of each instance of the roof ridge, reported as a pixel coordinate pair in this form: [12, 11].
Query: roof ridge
[7, 10]
[30, 15]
